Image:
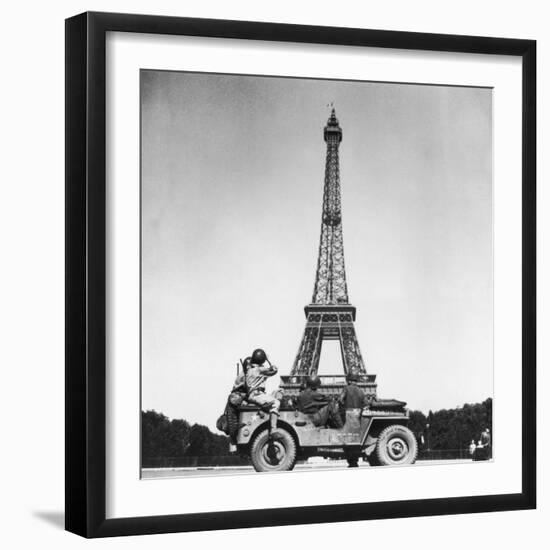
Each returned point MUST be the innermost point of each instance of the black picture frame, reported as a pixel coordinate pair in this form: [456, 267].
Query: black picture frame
[86, 274]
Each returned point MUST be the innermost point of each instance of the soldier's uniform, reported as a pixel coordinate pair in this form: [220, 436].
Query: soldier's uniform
[318, 406]
[239, 384]
[352, 397]
[256, 377]
[310, 401]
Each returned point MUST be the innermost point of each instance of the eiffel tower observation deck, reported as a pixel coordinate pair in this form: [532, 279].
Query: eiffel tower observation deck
[330, 316]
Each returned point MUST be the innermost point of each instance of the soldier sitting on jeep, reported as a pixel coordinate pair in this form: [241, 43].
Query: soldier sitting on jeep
[255, 380]
[322, 411]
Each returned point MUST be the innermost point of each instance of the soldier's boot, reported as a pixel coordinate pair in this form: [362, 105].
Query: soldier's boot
[274, 432]
[352, 458]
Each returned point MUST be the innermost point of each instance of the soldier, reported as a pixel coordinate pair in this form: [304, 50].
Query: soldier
[352, 396]
[239, 386]
[318, 406]
[234, 401]
[255, 379]
[352, 400]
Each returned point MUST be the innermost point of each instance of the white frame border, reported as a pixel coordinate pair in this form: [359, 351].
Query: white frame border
[126, 53]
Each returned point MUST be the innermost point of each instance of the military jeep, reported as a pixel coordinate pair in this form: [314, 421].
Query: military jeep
[377, 433]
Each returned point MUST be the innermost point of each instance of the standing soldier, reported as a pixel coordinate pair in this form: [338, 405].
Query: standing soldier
[255, 379]
[352, 396]
[352, 400]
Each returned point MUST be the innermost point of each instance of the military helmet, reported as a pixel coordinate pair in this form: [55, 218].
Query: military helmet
[259, 356]
[352, 377]
[313, 381]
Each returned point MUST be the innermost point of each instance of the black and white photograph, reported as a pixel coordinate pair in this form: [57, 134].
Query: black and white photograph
[273, 275]
[316, 274]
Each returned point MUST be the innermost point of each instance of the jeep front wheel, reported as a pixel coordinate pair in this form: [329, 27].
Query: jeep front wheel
[272, 455]
[396, 445]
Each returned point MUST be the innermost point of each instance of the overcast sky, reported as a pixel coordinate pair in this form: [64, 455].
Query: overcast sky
[232, 184]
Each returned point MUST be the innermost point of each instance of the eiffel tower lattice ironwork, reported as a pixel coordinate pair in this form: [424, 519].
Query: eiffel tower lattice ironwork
[330, 316]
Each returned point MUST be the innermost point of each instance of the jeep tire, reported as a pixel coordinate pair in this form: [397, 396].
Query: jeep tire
[273, 455]
[396, 445]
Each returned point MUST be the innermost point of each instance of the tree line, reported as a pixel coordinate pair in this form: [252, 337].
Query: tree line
[162, 438]
[440, 430]
[452, 428]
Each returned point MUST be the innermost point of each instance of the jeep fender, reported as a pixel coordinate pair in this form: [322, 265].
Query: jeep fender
[370, 437]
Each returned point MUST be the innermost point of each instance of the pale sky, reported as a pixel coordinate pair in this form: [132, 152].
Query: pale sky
[232, 184]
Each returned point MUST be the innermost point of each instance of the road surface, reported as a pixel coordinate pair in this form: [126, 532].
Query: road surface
[157, 473]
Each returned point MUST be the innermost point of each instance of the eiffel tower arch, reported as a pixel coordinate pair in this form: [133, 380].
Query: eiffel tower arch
[330, 316]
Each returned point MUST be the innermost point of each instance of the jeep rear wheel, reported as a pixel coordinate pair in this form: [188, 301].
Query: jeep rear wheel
[396, 445]
[272, 455]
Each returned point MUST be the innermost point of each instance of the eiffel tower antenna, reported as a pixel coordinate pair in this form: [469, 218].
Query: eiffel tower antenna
[330, 280]
[330, 316]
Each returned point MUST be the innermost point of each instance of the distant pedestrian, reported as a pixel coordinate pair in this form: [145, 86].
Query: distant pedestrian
[478, 451]
[486, 442]
[472, 447]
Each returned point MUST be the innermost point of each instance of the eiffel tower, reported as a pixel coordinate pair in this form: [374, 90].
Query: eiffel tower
[330, 316]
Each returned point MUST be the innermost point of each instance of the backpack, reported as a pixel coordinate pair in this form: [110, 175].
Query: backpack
[228, 422]
[221, 424]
